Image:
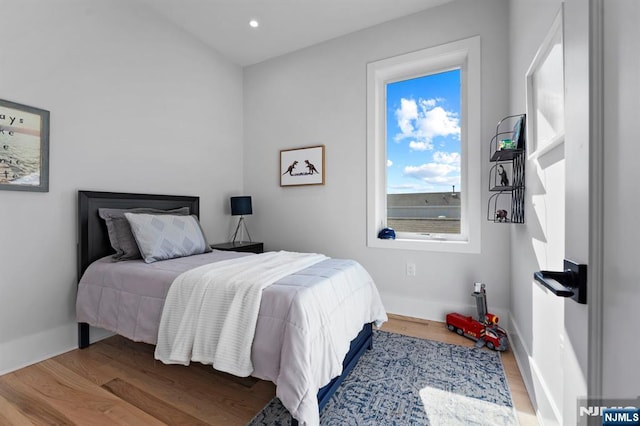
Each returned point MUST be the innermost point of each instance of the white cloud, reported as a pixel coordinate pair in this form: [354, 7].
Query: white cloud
[406, 187]
[410, 189]
[420, 146]
[424, 121]
[444, 170]
[429, 170]
[429, 103]
[389, 163]
[447, 158]
[438, 122]
[406, 115]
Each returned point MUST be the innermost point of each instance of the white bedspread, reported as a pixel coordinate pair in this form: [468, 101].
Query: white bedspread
[210, 313]
[304, 327]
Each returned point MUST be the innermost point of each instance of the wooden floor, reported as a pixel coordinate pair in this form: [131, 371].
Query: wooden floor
[117, 381]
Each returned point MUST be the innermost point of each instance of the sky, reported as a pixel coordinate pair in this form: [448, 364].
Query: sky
[423, 134]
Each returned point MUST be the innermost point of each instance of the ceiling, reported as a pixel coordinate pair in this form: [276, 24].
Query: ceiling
[285, 25]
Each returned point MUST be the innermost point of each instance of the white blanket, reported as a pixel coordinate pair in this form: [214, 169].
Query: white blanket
[211, 311]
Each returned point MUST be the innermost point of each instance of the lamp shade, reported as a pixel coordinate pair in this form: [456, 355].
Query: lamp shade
[241, 206]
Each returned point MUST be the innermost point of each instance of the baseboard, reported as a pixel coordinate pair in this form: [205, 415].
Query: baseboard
[31, 349]
[546, 409]
[434, 311]
[34, 348]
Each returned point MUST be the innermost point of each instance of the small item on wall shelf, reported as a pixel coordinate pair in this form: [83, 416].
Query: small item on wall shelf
[506, 144]
[519, 133]
[302, 166]
[502, 216]
[24, 147]
[504, 179]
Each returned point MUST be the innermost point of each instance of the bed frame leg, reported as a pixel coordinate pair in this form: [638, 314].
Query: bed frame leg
[83, 335]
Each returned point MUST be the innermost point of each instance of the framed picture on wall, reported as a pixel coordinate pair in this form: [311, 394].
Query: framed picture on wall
[24, 147]
[302, 166]
[545, 93]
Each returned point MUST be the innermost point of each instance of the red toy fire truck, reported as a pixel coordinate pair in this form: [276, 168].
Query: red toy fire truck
[485, 329]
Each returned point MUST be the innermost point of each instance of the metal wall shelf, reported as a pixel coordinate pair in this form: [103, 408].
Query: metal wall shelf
[507, 150]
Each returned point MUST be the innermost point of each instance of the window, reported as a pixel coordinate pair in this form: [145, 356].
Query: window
[423, 143]
[423, 154]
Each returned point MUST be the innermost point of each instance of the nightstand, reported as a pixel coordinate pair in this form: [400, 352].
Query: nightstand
[247, 246]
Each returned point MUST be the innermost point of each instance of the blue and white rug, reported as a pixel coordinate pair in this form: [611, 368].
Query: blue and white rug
[409, 381]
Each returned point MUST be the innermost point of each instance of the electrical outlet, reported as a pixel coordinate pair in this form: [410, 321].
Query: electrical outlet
[411, 269]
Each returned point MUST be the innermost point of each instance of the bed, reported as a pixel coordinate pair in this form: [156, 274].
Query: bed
[122, 312]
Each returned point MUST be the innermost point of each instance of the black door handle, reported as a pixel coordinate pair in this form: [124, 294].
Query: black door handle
[572, 282]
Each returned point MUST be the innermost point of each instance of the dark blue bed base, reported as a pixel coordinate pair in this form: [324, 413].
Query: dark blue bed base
[362, 342]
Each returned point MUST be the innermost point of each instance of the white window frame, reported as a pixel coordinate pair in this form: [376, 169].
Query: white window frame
[463, 54]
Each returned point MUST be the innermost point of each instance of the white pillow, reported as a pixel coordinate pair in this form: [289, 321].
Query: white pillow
[162, 237]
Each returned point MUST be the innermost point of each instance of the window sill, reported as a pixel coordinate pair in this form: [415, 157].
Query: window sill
[437, 245]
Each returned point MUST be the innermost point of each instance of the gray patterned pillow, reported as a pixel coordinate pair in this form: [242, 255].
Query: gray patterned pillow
[119, 230]
[162, 237]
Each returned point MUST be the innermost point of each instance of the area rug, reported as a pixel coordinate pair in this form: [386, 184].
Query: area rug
[409, 381]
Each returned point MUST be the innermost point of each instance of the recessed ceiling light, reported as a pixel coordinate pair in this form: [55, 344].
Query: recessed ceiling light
[254, 23]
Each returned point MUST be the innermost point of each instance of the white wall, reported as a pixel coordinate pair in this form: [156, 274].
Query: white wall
[621, 375]
[318, 96]
[137, 106]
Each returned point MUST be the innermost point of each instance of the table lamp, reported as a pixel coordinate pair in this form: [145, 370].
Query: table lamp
[241, 206]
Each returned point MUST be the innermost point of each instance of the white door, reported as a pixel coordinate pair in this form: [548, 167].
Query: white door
[583, 118]
[560, 132]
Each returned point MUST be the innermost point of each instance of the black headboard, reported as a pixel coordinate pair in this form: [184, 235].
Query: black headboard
[93, 241]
